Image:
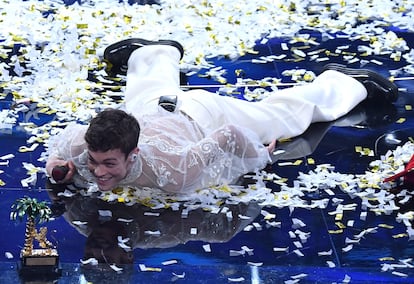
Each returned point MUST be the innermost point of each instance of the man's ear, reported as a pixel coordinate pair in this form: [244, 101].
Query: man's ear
[134, 154]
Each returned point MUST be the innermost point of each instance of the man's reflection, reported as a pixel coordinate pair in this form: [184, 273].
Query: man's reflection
[363, 115]
[114, 230]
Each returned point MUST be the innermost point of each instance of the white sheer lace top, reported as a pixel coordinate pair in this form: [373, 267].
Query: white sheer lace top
[175, 155]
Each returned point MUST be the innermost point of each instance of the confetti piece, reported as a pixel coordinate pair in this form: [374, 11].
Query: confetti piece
[257, 264]
[297, 223]
[323, 253]
[331, 264]
[122, 243]
[179, 276]
[400, 274]
[299, 276]
[156, 214]
[152, 233]
[115, 268]
[105, 213]
[347, 279]
[66, 193]
[237, 252]
[347, 248]
[79, 223]
[91, 261]
[386, 259]
[144, 268]
[280, 249]
[24, 149]
[239, 279]
[298, 253]
[8, 255]
[170, 262]
[207, 248]
[124, 220]
[7, 157]
[386, 226]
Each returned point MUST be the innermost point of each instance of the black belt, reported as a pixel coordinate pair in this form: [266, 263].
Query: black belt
[169, 103]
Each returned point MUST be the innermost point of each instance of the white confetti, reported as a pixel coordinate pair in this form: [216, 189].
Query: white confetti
[152, 233]
[91, 261]
[7, 157]
[400, 274]
[156, 214]
[115, 268]
[239, 279]
[276, 249]
[331, 264]
[179, 276]
[347, 248]
[79, 223]
[170, 262]
[329, 252]
[8, 255]
[105, 213]
[207, 248]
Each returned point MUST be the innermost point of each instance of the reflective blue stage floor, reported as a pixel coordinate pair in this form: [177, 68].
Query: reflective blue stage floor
[350, 239]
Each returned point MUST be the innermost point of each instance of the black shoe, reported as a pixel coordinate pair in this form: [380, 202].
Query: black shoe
[116, 55]
[378, 87]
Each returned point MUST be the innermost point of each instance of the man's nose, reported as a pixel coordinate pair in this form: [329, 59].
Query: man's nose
[99, 170]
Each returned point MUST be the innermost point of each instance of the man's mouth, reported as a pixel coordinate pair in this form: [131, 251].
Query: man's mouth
[103, 180]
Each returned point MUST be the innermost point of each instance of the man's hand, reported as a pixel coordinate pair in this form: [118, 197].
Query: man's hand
[61, 171]
[271, 147]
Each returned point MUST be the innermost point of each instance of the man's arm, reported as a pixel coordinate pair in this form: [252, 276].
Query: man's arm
[63, 148]
[221, 157]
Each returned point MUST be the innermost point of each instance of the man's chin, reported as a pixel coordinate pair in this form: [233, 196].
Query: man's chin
[105, 186]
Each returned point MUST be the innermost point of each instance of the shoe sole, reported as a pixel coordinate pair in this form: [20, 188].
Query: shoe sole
[120, 65]
[138, 42]
[391, 88]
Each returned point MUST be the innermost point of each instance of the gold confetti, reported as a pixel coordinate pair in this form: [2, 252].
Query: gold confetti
[340, 225]
[82, 26]
[297, 162]
[388, 258]
[385, 226]
[403, 235]
[340, 231]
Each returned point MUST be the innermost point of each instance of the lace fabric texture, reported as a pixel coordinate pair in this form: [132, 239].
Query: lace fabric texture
[175, 155]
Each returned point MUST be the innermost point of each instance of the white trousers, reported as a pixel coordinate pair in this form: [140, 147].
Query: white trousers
[153, 71]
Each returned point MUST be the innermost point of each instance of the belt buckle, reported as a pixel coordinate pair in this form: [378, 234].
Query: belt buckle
[169, 103]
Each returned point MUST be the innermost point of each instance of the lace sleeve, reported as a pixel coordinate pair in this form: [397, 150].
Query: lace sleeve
[181, 161]
[69, 143]
[240, 152]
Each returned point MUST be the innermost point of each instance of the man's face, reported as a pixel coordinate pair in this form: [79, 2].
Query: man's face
[108, 167]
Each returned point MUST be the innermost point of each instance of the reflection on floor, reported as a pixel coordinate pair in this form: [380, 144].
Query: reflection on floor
[321, 232]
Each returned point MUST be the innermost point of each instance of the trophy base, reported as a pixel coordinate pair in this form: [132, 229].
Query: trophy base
[41, 264]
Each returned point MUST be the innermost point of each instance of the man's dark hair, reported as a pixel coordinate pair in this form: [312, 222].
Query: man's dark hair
[113, 129]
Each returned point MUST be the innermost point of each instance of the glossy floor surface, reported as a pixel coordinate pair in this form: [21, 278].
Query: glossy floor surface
[318, 219]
